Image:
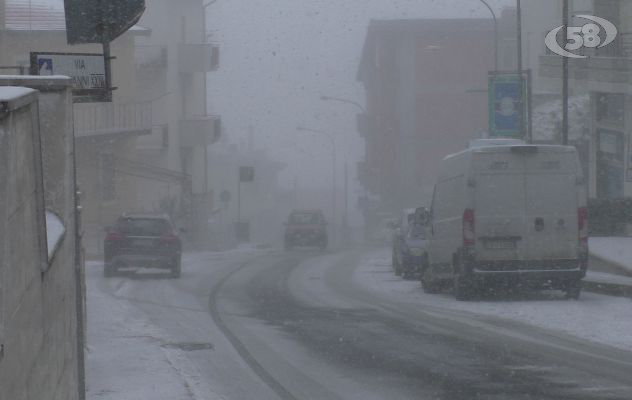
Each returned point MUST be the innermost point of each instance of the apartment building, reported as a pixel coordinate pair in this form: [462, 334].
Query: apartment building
[171, 67]
[606, 78]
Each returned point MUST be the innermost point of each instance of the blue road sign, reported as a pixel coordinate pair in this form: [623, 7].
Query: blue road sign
[507, 105]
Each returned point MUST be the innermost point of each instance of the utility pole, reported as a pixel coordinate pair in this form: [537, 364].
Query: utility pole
[334, 163]
[565, 76]
[107, 58]
[345, 218]
[519, 66]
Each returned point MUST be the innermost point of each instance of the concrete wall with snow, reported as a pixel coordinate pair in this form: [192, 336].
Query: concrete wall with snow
[38, 310]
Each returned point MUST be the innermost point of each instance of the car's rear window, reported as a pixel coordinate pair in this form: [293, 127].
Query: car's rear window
[417, 232]
[143, 226]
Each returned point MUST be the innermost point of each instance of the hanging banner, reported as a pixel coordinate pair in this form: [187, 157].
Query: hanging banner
[508, 94]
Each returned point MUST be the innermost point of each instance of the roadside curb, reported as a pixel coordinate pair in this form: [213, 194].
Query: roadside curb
[622, 269]
[610, 289]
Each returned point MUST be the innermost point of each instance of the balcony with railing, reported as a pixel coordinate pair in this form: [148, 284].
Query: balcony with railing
[200, 131]
[111, 120]
[609, 65]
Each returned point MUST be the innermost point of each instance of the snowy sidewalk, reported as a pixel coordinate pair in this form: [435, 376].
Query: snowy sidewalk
[615, 250]
[595, 317]
[130, 358]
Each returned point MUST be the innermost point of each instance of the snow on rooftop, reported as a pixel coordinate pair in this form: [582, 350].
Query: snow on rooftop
[8, 93]
[35, 15]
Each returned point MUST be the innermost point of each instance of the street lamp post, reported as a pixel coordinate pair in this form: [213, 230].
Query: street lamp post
[333, 175]
[565, 76]
[491, 10]
[345, 218]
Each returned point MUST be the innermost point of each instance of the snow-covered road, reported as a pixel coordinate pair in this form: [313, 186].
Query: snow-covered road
[256, 324]
[151, 337]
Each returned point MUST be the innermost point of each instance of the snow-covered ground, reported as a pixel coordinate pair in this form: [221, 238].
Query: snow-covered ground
[602, 319]
[128, 357]
[617, 250]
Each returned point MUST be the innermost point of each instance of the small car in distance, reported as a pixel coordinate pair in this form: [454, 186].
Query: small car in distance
[412, 257]
[142, 240]
[306, 228]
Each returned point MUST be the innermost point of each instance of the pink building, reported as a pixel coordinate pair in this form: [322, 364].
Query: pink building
[426, 94]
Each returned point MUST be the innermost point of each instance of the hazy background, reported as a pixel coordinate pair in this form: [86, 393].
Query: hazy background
[279, 57]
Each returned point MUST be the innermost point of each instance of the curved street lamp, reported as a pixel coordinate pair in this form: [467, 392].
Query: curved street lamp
[491, 10]
[342, 100]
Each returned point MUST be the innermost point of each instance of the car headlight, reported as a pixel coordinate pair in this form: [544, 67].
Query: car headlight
[417, 252]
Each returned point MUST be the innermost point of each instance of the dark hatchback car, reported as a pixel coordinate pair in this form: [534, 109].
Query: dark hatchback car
[306, 228]
[145, 241]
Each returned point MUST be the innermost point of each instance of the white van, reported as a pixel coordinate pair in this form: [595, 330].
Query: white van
[515, 214]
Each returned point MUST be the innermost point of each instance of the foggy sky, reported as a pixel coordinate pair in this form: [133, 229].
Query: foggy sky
[279, 56]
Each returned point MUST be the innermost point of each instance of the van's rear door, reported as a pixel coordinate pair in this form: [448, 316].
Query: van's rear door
[499, 205]
[526, 203]
[551, 230]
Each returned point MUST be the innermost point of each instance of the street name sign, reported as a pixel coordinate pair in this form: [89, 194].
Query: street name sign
[86, 71]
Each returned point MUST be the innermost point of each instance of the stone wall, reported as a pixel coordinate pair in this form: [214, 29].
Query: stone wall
[41, 294]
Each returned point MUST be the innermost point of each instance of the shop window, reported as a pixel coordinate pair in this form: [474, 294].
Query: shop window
[610, 107]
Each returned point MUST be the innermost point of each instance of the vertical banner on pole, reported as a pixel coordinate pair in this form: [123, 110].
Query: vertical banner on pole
[508, 105]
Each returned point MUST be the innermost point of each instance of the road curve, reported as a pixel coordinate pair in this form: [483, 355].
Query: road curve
[309, 331]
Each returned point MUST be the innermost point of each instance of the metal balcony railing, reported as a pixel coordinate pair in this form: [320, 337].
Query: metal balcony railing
[94, 119]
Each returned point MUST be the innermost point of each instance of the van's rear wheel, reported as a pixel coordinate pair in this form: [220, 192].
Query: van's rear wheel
[573, 290]
[463, 288]
[397, 266]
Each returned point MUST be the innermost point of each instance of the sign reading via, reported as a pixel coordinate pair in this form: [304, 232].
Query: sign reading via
[87, 71]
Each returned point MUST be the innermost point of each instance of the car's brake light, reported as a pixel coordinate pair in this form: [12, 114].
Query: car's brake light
[469, 233]
[169, 238]
[582, 225]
